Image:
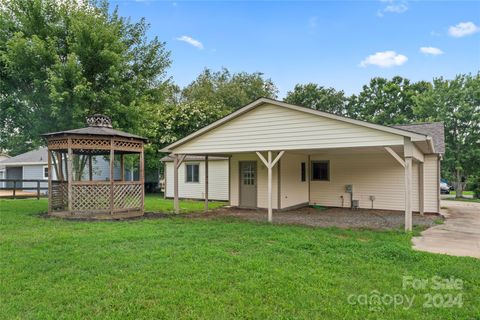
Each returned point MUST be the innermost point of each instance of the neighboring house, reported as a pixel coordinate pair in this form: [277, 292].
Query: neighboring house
[315, 155]
[192, 176]
[32, 165]
[3, 156]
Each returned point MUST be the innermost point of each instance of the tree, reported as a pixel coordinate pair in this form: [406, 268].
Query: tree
[457, 103]
[61, 61]
[179, 120]
[386, 101]
[228, 91]
[317, 97]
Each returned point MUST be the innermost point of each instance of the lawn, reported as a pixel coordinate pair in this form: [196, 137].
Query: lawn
[156, 203]
[197, 268]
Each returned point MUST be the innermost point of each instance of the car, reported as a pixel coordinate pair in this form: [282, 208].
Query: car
[444, 188]
[448, 183]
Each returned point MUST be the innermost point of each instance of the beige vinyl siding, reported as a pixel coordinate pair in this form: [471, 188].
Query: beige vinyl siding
[269, 127]
[377, 174]
[293, 191]
[431, 183]
[217, 181]
[262, 177]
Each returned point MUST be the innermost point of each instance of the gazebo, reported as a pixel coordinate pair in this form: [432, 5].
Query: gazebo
[74, 188]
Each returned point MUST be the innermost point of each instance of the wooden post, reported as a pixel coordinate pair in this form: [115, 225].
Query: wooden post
[206, 183]
[38, 189]
[122, 167]
[421, 188]
[270, 164]
[408, 194]
[90, 167]
[269, 192]
[60, 166]
[70, 176]
[142, 178]
[14, 188]
[177, 161]
[112, 173]
[49, 166]
[175, 184]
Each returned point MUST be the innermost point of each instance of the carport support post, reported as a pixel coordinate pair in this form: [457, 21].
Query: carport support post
[421, 189]
[269, 186]
[175, 184]
[408, 154]
[177, 161]
[270, 164]
[206, 183]
[408, 194]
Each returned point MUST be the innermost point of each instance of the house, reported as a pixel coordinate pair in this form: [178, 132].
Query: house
[32, 165]
[3, 156]
[283, 156]
[192, 176]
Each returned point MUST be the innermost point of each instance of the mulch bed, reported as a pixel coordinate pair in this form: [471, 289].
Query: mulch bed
[308, 216]
[326, 217]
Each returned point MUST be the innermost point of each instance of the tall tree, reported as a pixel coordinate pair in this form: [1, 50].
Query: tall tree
[386, 101]
[457, 103]
[227, 90]
[317, 97]
[63, 60]
[179, 120]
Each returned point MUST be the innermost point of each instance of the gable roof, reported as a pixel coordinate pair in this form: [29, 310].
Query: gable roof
[169, 158]
[38, 156]
[96, 131]
[413, 135]
[436, 130]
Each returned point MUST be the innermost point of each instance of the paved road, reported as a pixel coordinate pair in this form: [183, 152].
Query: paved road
[458, 236]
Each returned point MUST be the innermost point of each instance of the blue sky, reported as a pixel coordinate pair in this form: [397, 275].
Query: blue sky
[336, 44]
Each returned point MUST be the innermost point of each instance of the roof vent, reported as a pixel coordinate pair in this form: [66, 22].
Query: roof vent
[99, 120]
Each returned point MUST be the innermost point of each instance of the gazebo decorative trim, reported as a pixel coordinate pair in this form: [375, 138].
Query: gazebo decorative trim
[91, 198]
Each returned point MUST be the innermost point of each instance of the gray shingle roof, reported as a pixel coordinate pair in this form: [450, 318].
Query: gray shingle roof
[436, 130]
[34, 156]
[99, 131]
[193, 158]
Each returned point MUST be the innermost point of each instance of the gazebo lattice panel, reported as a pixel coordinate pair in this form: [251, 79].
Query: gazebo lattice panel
[127, 196]
[91, 143]
[90, 197]
[98, 199]
[54, 144]
[59, 196]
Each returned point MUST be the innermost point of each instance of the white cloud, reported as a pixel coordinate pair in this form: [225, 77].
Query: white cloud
[431, 51]
[385, 59]
[191, 41]
[393, 7]
[313, 22]
[463, 29]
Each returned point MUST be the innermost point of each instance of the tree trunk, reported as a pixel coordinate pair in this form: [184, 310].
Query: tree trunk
[459, 185]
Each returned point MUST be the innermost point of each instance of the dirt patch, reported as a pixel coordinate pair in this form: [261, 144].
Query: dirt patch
[329, 217]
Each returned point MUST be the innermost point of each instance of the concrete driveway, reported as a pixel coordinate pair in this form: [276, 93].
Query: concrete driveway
[458, 236]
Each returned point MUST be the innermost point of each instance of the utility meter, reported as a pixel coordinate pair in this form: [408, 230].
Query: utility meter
[349, 188]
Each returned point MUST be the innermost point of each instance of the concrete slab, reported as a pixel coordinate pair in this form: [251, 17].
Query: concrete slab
[458, 236]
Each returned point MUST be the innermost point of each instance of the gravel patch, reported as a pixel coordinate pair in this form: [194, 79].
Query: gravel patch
[327, 217]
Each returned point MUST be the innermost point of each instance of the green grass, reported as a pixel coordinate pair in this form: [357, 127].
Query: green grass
[463, 199]
[156, 203]
[212, 269]
[465, 193]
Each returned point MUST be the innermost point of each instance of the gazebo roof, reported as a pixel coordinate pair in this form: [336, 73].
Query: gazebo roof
[99, 125]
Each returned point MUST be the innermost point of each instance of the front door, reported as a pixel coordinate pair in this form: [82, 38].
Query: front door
[248, 184]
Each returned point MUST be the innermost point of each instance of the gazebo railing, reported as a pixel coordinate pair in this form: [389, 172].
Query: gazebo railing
[98, 197]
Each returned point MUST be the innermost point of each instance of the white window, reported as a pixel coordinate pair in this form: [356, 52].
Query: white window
[45, 172]
[193, 172]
